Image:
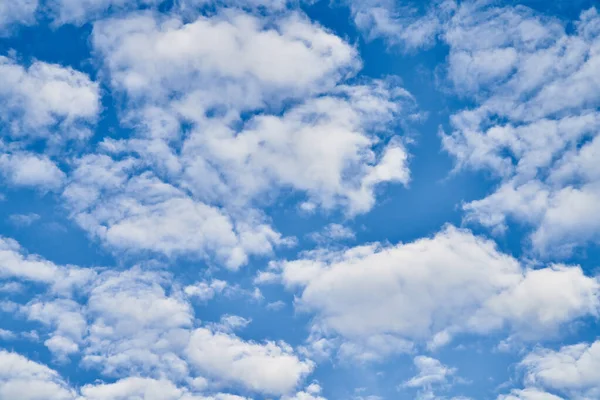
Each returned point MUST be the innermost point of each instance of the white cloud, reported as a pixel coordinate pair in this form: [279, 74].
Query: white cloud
[16, 12]
[431, 371]
[11, 287]
[270, 368]
[295, 60]
[23, 219]
[535, 122]
[529, 394]
[81, 11]
[573, 370]
[400, 23]
[23, 379]
[276, 305]
[6, 334]
[65, 318]
[312, 392]
[204, 290]
[44, 104]
[30, 170]
[382, 298]
[136, 327]
[143, 213]
[137, 388]
[46, 101]
[140, 323]
[332, 232]
[268, 5]
[15, 263]
[295, 56]
[232, 323]
[192, 178]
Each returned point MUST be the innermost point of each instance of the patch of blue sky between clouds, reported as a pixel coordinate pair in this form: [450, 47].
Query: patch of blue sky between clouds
[299, 200]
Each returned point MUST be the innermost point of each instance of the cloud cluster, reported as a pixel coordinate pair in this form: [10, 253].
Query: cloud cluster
[535, 123]
[570, 372]
[45, 103]
[138, 326]
[226, 109]
[213, 141]
[381, 299]
[14, 13]
[408, 24]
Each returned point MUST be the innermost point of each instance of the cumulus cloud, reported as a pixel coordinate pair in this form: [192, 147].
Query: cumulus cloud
[142, 213]
[66, 320]
[529, 394]
[431, 371]
[46, 101]
[15, 263]
[311, 147]
[382, 298]
[140, 323]
[42, 102]
[13, 13]
[205, 290]
[271, 367]
[31, 170]
[407, 24]
[28, 380]
[535, 123]
[571, 371]
[194, 175]
[312, 392]
[21, 378]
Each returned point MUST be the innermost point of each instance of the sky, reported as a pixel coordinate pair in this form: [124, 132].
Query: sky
[299, 200]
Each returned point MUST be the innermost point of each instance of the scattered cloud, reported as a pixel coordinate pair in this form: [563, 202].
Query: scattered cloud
[535, 123]
[23, 219]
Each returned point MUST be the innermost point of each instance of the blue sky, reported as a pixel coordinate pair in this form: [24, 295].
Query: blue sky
[299, 200]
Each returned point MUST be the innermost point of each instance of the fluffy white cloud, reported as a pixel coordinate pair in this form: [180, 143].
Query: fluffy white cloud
[204, 290]
[431, 371]
[46, 101]
[140, 323]
[401, 23]
[137, 388]
[143, 213]
[529, 394]
[30, 170]
[379, 298]
[332, 233]
[573, 371]
[65, 318]
[155, 57]
[312, 147]
[15, 263]
[21, 378]
[312, 392]
[80, 11]
[271, 367]
[535, 123]
[16, 12]
[24, 379]
[136, 327]
[42, 102]
[188, 182]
